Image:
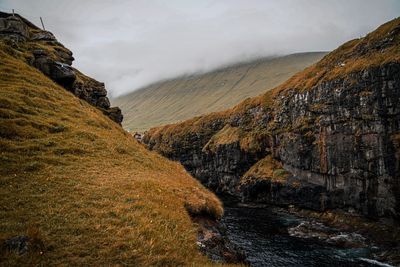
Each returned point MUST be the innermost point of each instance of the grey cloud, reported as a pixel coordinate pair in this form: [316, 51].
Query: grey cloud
[129, 44]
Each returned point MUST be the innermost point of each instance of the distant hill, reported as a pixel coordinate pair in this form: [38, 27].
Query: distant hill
[185, 97]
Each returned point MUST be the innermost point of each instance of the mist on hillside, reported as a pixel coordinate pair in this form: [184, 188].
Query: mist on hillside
[130, 44]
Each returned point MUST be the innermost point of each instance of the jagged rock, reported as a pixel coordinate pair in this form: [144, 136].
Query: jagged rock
[212, 241]
[91, 90]
[319, 231]
[43, 36]
[13, 27]
[54, 60]
[42, 61]
[65, 55]
[62, 74]
[59, 72]
[115, 114]
[103, 102]
[307, 195]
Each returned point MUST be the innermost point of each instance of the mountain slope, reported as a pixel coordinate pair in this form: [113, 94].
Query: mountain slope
[327, 138]
[81, 189]
[185, 97]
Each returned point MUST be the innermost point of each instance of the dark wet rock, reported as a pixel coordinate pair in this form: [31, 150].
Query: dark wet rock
[347, 240]
[391, 255]
[62, 74]
[307, 195]
[222, 169]
[321, 232]
[59, 72]
[214, 243]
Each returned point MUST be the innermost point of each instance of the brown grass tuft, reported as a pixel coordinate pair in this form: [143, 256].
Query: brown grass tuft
[266, 169]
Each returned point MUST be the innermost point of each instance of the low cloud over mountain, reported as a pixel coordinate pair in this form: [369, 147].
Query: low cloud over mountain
[130, 44]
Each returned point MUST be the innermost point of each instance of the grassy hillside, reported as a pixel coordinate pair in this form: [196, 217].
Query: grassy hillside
[183, 98]
[379, 47]
[81, 188]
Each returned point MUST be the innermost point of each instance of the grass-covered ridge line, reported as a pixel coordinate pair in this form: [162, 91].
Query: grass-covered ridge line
[79, 185]
[185, 97]
[379, 47]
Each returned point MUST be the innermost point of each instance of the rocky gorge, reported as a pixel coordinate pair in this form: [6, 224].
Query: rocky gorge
[323, 146]
[327, 139]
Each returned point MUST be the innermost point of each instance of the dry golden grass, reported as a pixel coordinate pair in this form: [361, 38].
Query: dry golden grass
[353, 56]
[186, 134]
[225, 136]
[75, 180]
[266, 169]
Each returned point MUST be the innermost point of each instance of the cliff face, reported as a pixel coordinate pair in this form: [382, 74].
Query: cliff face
[344, 144]
[42, 50]
[327, 138]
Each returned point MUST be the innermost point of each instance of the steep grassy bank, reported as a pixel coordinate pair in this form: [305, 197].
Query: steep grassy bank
[81, 188]
[185, 97]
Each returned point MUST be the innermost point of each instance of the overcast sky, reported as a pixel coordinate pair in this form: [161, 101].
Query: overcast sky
[130, 43]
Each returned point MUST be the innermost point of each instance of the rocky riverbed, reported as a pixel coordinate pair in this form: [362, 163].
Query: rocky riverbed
[273, 236]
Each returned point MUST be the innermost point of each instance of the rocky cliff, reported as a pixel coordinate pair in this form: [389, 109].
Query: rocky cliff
[327, 138]
[41, 49]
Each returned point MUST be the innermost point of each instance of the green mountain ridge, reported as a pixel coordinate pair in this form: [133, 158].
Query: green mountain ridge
[188, 96]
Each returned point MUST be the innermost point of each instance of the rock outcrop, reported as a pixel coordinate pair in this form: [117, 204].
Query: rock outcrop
[42, 50]
[327, 138]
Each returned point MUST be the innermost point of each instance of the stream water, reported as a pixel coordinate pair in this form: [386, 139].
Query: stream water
[263, 234]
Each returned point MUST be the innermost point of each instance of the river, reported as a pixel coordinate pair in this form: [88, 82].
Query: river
[263, 233]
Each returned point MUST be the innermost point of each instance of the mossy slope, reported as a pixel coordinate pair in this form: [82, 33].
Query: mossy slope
[77, 183]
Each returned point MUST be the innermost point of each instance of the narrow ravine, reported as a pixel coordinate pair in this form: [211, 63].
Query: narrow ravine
[265, 234]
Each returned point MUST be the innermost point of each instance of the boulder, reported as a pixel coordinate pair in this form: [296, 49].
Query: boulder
[43, 36]
[103, 102]
[62, 73]
[14, 28]
[115, 114]
[59, 72]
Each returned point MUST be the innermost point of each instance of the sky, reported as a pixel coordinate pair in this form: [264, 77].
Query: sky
[129, 44]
